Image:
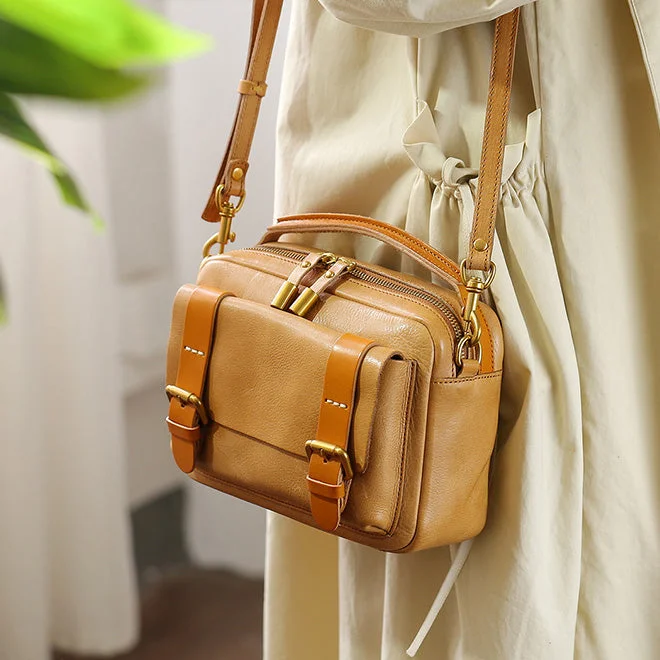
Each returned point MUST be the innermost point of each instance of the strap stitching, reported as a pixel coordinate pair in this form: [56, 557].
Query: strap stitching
[457, 381]
[404, 430]
[490, 114]
[450, 268]
[336, 403]
[502, 138]
[246, 129]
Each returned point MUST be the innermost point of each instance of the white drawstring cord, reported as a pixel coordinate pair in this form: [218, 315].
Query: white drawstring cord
[450, 580]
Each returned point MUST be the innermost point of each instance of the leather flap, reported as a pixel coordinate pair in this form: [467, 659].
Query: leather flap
[266, 376]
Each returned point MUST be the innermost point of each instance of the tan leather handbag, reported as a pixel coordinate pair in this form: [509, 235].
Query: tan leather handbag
[344, 395]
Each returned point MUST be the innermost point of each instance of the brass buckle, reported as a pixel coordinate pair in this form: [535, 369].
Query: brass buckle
[330, 452]
[188, 398]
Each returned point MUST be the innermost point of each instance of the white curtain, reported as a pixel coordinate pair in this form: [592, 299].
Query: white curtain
[66, 573]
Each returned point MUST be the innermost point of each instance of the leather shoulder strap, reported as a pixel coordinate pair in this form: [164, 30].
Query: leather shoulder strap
[233, 171]
[252, 88]
[492, 153]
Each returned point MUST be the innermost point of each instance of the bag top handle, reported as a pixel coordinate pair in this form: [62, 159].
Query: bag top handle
[230, 181]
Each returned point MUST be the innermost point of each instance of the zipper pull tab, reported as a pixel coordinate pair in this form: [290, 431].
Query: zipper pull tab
[287, 292]
[311, 294]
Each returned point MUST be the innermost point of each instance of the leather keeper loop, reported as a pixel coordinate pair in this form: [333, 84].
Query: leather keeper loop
[320, 488]
[251, 88]
[186, 433]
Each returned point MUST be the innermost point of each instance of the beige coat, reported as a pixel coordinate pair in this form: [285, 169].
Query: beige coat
[389, 125]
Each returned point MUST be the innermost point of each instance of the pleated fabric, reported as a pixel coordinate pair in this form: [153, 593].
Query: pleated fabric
[390, 125]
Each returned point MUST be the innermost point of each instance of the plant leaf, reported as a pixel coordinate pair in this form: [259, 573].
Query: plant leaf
[14, 125]
[29, 64]
[108, 33]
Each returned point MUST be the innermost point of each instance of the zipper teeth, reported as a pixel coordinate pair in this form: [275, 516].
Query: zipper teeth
[367, 275]
[284, 252]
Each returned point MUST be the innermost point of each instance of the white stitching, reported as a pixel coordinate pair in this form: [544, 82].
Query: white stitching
[194, 351]
[336, 403]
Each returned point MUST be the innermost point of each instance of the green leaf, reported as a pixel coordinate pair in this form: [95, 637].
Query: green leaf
[14, 125]
[30, 64]
[108, 33]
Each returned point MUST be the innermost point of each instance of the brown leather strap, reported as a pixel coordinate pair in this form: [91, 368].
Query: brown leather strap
[233, 171]
[327, 480]
[492, 153]
[265, 20]
[184, 418]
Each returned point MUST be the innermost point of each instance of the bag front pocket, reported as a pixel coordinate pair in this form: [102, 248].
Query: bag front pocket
[264, 391]
[263, 394]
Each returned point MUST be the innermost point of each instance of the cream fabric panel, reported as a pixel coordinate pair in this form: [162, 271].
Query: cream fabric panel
[602, 155]
[418, 18]
[568, 564]
[646, 14]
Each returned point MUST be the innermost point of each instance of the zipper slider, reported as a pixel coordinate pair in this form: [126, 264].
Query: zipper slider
[311, 294]
[287, 292]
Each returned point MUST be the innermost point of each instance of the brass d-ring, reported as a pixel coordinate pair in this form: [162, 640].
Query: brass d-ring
[489, 277]
[220, 204]
[463, 345]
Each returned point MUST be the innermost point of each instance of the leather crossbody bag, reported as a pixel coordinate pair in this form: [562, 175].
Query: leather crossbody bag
[350, 397]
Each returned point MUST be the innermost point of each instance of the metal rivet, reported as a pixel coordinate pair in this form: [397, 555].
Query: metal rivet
[306, 264]
[329, 274]
[237, 174]
[480, 245]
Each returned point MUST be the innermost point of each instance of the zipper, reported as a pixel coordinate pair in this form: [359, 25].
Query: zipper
[288, 292]
[336, 268]
[370, 276]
